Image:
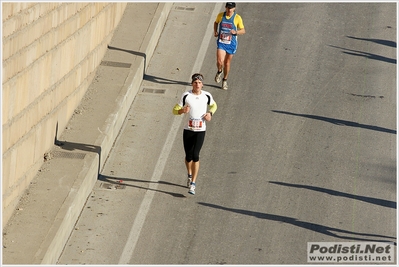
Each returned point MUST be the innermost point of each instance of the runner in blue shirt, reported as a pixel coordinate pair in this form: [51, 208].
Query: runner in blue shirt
[227, 26]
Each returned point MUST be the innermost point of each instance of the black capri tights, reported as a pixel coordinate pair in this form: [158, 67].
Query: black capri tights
[193, 142]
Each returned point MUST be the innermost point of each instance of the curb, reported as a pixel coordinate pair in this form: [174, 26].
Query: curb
[53, 245]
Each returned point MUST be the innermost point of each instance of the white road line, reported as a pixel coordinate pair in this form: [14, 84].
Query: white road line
[159, 167]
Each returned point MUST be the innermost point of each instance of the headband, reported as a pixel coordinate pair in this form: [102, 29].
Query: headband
[197, 77]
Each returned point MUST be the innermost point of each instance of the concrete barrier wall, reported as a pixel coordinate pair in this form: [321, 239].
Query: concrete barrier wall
[50, 54]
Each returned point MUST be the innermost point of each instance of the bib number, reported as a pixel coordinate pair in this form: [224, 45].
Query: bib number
[225, 38]
[195, 124]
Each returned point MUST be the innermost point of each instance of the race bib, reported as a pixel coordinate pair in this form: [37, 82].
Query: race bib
[225, 37]
[195, 124]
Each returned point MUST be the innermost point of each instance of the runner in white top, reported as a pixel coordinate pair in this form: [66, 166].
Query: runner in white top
[199, 106]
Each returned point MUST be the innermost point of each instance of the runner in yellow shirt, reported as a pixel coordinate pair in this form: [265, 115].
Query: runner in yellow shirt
[227, 26]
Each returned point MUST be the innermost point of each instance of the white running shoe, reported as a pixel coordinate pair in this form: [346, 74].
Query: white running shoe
[218, 77]
[224, 85]
[192, 189]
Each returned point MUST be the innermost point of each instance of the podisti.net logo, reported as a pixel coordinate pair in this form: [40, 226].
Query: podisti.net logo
[350, 252]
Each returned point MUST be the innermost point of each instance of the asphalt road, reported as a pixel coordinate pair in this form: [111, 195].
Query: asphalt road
[302, 147]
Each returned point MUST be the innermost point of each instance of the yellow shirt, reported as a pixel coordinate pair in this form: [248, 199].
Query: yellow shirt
[237, 20]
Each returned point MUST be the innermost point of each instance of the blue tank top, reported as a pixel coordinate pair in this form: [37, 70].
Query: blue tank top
[225, 26]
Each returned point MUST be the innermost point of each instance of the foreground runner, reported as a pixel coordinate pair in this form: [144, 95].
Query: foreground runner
[195, 103]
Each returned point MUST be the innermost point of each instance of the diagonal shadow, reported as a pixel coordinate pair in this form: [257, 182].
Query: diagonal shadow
[377, 41]
[366, 55]
[155, 79]
[339, 122]
[372, 200]
[330, 231]
[161, 80]
[72, 146]
[136, 53]
[115, 180]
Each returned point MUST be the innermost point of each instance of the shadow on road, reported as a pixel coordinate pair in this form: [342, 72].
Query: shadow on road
[136, 53]
[377, 41]
[365, 54]
[339, 122]
[155, 79]
[129, 182]
[372, 200]
[72, 146]
[161, 80]
[330, 231]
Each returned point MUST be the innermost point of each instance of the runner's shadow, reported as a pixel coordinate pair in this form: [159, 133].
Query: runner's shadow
[372, 200]
[122, 181]
[330, 231]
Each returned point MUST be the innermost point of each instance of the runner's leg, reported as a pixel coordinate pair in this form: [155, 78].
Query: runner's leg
[194, 170]
[189, 167]
[227, 62]
[200, 137]
[188, 144]
[220, 58]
